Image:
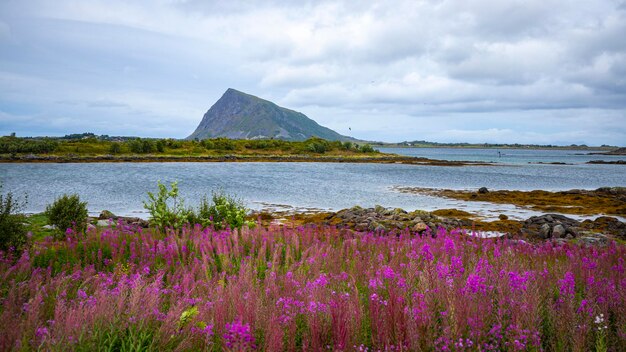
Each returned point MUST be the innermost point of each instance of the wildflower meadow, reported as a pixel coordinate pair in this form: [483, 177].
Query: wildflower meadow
[309, 289]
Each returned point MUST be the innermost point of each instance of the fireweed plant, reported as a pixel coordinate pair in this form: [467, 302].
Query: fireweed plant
[309, 288]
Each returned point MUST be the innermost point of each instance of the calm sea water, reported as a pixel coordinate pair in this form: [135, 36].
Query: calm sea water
[506, 156]
[121, 187]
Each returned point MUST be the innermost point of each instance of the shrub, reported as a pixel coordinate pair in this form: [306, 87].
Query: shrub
[257, 144]
[21, 145]
[141, 146]
[68, 212]
[172, 143]
[12, 229]
[318, 146]
[208, 144]
[223, 210]
[166, 208]
[115, 148]
[366, 148]
[147, 146]
[223, 144]
[160, 146]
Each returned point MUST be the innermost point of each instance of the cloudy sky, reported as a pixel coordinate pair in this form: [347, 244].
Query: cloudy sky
[532, 71]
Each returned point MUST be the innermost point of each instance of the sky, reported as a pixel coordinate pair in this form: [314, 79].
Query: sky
[481, 71]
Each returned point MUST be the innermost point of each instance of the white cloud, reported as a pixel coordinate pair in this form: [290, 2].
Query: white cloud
[451, 67]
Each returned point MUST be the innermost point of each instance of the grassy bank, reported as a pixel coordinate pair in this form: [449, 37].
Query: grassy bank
[98, 146]
[21, 150]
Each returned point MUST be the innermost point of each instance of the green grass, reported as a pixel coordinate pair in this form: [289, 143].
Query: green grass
[36, 223]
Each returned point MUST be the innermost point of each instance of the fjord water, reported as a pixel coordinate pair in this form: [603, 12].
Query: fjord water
[121, 187]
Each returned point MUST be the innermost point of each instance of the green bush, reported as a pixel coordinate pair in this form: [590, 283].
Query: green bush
[12, 230]
[208, 144]
[115, 148]
[141, 146]
[223, 210]
[14, 145]
[366, 148]
[67, 212]
[160, 146]
[172, 143]
[223, 144]
[166, 208]
[318, 146]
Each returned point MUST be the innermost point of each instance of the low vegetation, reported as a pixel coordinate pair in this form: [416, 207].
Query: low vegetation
[206, 280]
[167, 210]
[14, 145]
[90, 145]
[67, 212]
[12, 229]
[222, 211]
[310, 288]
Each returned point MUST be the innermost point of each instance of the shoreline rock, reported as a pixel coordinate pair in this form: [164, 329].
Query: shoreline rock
[614, 162]
[547, 227]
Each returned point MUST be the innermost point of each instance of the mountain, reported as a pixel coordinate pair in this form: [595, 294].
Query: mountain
[238, 115]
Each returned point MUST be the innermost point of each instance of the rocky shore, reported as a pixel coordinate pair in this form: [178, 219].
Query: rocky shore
[386, 220]
[614, 162]
[552, 227]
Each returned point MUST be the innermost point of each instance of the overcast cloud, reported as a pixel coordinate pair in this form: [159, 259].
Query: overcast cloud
[533, 71]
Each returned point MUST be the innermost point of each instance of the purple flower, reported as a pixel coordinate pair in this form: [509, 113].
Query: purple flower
[567, 284]
[388, 273]
[518, 282]
[585, 308]
[238, 336]
[289, 308]
[426, 253]
[449, 245]
[476, 284]
[456, 264]
[374, 283]
[208, 331]
[321, 281]
[315, 307]
[41, 333]
[81, 294]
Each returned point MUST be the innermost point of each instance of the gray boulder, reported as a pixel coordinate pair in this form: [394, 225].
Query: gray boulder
[558, 231]
[544, 231]
[103, 223]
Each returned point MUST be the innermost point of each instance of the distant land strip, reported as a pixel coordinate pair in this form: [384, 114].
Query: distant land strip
[386, 159]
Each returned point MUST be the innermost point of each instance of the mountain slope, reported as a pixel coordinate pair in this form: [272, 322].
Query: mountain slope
[238, 115]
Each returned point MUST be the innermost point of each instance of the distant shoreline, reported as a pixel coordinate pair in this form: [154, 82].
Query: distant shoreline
[386, 159]
[590, 149]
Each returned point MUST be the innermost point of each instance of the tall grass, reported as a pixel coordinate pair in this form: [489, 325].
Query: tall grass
[310, 289]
